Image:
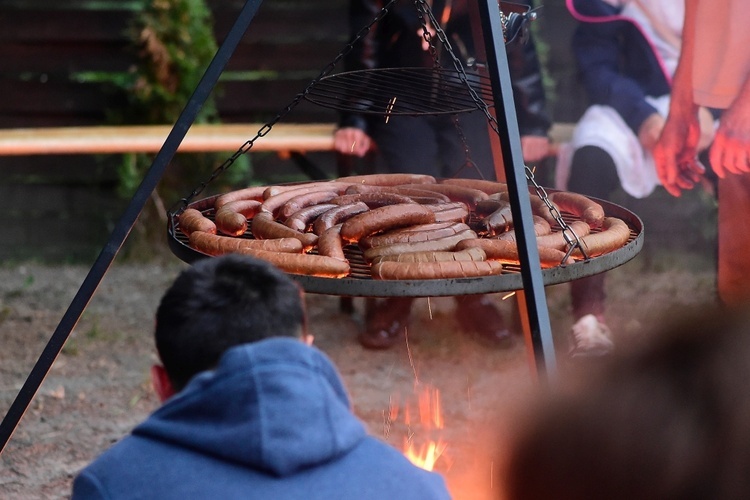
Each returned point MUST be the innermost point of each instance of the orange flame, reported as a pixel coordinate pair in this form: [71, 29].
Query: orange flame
[430, 421]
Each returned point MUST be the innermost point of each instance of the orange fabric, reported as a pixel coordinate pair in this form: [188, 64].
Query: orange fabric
[721, 62]
[734, 239]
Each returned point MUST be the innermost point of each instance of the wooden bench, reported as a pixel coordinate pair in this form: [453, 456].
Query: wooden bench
[283, 138]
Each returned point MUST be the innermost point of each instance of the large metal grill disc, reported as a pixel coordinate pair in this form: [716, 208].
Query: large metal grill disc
[360, 284]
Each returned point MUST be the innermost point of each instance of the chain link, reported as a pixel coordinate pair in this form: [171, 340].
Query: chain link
[571, 238]
[183, 203]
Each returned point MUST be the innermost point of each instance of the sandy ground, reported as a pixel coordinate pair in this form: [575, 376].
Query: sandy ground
[99, 386]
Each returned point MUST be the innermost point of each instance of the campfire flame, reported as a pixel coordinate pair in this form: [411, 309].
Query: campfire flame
[423, 453]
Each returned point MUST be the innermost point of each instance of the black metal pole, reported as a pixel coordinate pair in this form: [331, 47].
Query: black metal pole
[126, 222]
[520, 204]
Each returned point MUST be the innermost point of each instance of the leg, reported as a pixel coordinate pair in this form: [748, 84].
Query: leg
[593, 173]
[478, 316]
[385, 321]
[407, 144]
[734, 238]
[474, 129]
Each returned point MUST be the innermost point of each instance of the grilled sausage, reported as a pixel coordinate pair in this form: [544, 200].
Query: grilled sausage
[384, 218]
[192, 220]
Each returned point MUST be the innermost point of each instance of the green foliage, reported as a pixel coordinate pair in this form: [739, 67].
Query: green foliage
[174, 44]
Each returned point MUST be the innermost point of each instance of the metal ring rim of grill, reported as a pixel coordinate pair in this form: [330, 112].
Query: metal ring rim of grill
[360, 284]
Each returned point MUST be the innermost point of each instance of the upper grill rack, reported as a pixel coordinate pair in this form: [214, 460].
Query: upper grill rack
[401, 91]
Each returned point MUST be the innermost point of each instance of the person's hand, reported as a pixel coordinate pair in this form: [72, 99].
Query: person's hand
[676, 152]
[351, 141]
[650, 130]
[708, 129]
[730, 152]
[535, 148]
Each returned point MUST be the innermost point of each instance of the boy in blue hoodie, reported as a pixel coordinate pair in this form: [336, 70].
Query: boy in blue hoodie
[250, 409]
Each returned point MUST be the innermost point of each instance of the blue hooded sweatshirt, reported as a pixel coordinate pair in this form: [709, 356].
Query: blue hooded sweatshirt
[272, 421]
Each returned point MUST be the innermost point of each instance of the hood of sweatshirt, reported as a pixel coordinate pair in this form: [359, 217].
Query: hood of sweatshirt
[276, 405]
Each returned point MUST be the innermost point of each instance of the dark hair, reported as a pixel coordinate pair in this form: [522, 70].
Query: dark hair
[668, 421]
[219, 303]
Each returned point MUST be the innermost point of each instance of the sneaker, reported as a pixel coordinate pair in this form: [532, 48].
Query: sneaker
[590, 337]
[478, 316]
[385, 323]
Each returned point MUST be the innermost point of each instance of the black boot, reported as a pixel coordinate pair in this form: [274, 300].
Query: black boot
[385, 322]
[478, 316]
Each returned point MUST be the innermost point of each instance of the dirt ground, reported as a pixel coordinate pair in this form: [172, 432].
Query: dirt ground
[99, 387]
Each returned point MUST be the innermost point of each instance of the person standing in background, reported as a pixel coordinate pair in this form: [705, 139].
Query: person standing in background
[626, 52]
[432, 144]
[714, 70]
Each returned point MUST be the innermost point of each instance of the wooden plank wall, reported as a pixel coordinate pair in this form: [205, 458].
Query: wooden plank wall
[49, 50]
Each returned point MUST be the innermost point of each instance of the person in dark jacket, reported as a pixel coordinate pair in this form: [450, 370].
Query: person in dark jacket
[440, 145]
[250, 410]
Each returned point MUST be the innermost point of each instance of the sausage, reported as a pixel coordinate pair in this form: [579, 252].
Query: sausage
[455, 211]
[489, 187]
[336, 215]
[455, 192]
[579, 205]
[615, 233]
[394, 179]
[265, 227]
[372, 200]
[499, 221]
[212, 244]
[538, 207]
[385, 218]
[274, 203]
[507, 252]
[409, 235]
[303, 263]
[248, 193]
[486, 207]
[303, 200]
[303, 217]
[472, 253]
[557, 239]
[541, 228]
[434, 270]
[192, 220]
[412, 192]
[271, 191]
[232, 217]
[330, 243]
[445, 244]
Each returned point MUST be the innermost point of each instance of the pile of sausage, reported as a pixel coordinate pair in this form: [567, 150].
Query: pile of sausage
[408, 226]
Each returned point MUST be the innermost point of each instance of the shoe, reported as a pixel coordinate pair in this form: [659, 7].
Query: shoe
[385, 323]
[477, 315]
[590, 337]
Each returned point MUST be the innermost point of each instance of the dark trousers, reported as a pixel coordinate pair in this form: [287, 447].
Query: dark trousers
[432, 145]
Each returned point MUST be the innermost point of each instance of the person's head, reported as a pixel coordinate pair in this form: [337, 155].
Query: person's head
[219, 303]
[671, 420]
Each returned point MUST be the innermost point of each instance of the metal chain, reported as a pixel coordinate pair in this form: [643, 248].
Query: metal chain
[183, 203]
[571, 238]
[422, 10]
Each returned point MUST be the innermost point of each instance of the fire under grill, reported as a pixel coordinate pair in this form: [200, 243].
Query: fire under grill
[359, 282]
